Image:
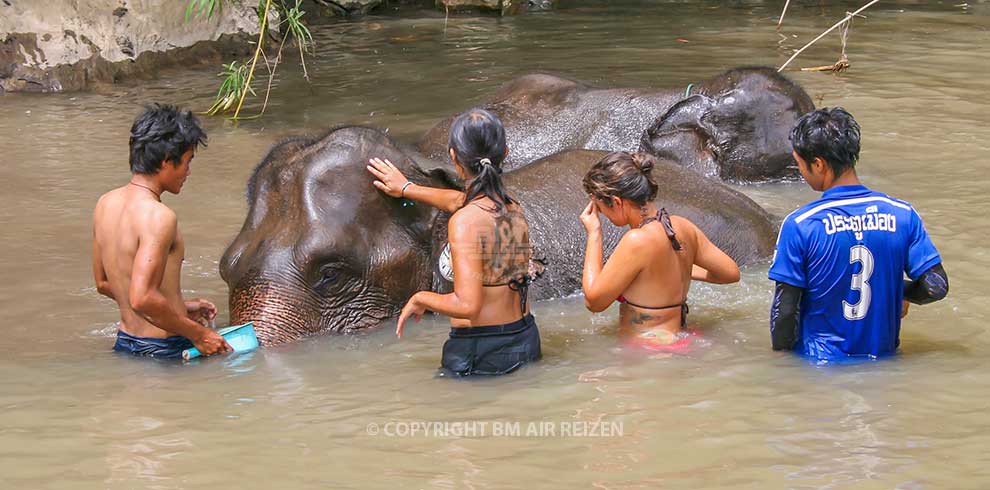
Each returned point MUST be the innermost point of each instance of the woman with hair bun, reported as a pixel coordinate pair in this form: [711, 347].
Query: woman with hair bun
[488, 256]
[651, 269]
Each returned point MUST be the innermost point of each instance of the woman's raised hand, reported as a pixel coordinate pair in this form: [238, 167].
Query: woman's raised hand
[389, 178]
[589, 218]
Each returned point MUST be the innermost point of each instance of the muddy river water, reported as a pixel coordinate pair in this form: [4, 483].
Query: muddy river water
[350, 411]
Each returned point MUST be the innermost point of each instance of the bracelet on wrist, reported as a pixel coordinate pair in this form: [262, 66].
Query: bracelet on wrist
[402, 193]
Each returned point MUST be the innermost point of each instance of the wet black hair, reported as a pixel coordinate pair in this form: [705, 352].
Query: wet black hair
[830, 134]
[474, 136]
[625, 175]
[162, 132]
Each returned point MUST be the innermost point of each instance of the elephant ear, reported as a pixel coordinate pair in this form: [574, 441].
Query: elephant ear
[683, 135]
[437, 174]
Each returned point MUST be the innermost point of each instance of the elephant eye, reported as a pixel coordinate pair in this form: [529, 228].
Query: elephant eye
[330, 274]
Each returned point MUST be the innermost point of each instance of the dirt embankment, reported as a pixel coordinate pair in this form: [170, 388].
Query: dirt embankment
[71, 45]
[66, 45]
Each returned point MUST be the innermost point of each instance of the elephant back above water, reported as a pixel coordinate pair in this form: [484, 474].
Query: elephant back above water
[322, 250]
[733, 126]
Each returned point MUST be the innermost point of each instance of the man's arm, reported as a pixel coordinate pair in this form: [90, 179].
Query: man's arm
[789, 276]
[930, 287]
[924, 265]
[99, 273]
[147, 272]
[784, 316]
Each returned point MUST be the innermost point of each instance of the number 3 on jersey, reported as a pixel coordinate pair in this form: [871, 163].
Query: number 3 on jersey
[860, 282]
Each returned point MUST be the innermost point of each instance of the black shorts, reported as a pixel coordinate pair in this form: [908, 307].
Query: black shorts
[492, 350]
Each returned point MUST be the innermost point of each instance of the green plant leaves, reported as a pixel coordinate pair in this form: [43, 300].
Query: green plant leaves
[204, 8]
[295, 26]
[233, 86]
[237, 76]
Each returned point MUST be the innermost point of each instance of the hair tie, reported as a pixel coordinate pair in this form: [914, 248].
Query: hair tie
[485, 161]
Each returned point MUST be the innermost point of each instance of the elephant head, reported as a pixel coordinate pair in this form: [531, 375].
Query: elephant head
[321, 249]
[735, 126]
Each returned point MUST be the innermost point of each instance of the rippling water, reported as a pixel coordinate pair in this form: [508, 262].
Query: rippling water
[733, 415]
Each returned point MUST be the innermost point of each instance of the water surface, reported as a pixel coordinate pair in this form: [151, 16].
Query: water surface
[732, 415]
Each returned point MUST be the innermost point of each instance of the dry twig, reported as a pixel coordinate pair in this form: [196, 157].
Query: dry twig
[830, 29]
[843, 63]
[781, 21]
[271, 72]
[257, 52]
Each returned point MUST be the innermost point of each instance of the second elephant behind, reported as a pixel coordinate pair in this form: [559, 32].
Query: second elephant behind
[734, 125]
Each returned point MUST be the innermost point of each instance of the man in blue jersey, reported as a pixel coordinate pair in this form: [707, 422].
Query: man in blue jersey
[840, 261]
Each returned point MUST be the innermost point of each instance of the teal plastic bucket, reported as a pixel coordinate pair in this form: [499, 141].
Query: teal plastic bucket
[240, 337]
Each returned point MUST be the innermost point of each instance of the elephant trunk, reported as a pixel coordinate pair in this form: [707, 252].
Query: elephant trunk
[278, 315]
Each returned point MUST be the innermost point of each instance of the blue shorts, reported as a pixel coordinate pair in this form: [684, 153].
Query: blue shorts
[167, 348]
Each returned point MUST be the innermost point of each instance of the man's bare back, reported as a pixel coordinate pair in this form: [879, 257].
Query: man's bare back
[137, 247]
[123, 218]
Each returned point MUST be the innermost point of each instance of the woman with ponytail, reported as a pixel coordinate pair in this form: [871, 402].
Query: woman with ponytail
[488, 256]
[651, 269]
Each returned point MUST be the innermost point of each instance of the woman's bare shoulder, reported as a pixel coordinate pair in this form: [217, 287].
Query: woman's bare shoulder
[470, 216]
[686, 230]
[635, 240]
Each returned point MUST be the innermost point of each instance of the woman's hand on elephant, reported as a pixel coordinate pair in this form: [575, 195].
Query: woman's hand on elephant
[413, 308]
[201, 311]
[389, 178]
[589, 218]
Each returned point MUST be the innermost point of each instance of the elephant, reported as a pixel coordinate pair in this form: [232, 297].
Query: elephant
[734, 126]
[322, 250]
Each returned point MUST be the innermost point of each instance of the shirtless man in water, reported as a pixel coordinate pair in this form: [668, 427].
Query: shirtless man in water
[137, 247]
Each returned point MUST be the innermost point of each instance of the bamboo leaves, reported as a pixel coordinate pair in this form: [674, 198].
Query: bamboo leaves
[237, 76]
[232, 89]
[203, 8]
[299, 32]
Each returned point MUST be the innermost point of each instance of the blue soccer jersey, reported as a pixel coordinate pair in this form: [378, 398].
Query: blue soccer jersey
[849, 251]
